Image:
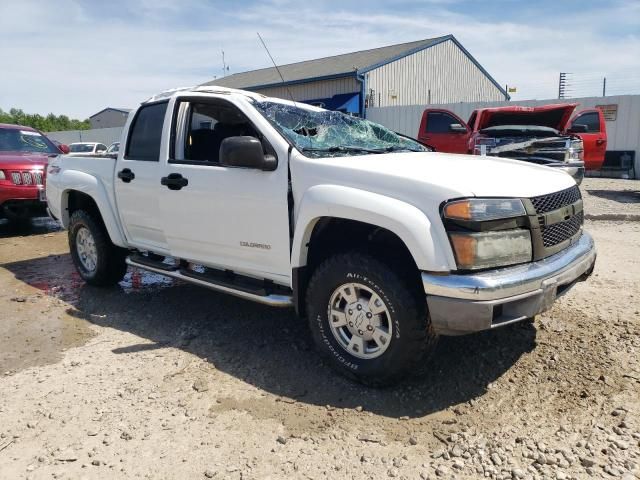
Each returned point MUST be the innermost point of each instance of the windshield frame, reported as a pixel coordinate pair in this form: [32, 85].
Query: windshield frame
[54, 150]
[310, 149]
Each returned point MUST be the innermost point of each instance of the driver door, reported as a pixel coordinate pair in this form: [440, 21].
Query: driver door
[444, 131]
[219, 216]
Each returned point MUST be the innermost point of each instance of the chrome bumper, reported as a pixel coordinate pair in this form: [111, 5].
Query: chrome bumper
[460, 304]
[575, 169]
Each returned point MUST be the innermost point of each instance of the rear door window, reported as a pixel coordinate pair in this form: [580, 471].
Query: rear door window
[145, 133]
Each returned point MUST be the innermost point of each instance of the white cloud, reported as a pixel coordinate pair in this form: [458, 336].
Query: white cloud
[65, 57]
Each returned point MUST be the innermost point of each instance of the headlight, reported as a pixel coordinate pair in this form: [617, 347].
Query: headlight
[2, 177]
[474, 251]
[483, 145]
[575, 151]
[482, 209]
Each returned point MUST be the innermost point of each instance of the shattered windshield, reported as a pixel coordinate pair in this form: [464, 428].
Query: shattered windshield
[324, 133]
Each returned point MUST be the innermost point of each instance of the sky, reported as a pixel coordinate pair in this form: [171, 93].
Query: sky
[76, 57]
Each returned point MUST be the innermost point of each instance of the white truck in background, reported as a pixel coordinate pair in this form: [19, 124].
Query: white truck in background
[381, 244]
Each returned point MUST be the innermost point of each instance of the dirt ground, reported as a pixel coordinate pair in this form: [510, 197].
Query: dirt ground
[156, 379]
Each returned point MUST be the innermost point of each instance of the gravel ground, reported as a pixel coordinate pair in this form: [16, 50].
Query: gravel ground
[611, 198]
[156, 379]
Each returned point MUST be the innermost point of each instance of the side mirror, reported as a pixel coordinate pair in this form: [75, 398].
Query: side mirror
[457, 128]
[63, 148]
[578, 128]
[246, 152]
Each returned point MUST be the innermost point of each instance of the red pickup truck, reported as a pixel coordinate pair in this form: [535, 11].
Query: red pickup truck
[525, 133]
[24, 155]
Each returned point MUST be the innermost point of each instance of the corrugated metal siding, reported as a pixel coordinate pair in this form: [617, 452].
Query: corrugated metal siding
[622, 134]
[101, 135]
[439, 74]
[313, 90]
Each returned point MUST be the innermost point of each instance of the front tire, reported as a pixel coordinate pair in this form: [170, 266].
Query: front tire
[98, 261]
[371, 324]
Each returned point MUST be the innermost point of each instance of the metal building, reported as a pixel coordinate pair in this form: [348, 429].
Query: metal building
[109, 118]
[435, 70]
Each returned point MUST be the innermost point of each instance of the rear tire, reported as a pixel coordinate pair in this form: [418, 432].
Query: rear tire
[98, 261]
[369, 323]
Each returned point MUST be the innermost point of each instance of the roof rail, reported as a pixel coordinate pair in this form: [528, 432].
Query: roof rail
[204, 89]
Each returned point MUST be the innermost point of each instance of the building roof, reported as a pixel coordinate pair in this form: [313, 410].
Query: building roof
[123, 110]
[335, 66]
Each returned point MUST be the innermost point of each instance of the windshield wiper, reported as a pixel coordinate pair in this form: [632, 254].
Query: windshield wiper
[398, 148]
[342, 149]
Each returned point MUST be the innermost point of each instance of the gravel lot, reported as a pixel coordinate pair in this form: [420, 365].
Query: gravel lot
[156, 379]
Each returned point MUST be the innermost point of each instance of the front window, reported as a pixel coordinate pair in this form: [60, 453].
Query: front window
[114, 148]
[323, 133]
[17, 140]
[81, 148]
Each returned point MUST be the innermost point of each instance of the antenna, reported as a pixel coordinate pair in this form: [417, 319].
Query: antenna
[225, 67]
[277, 69]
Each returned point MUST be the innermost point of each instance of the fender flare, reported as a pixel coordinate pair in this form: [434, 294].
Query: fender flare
[88, 184]
[408, 222]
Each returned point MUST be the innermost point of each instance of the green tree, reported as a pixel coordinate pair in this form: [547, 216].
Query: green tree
[50, 123]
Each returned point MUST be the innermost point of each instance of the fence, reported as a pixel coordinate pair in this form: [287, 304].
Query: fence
[623, 122]
[101, 135]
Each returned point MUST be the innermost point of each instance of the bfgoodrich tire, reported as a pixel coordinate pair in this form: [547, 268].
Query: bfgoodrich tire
[371, 324]
[98, 261]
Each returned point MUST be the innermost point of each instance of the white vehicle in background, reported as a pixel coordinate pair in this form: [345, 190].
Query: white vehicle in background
[87, 149]
[380, 243]
[113, 150]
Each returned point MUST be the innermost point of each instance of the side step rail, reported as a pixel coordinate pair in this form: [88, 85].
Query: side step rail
[274, 300]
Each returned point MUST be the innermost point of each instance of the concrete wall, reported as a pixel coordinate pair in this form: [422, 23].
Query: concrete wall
[109, 119]
[622, 134]
[440, 74]
[102, 135]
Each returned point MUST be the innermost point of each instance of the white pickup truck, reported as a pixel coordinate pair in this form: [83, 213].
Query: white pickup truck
[380, 243]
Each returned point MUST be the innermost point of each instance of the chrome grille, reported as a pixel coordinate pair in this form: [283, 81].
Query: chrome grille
[559, 232]
[35, 177]
[553, 201]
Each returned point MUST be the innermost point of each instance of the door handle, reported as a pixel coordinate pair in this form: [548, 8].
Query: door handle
[600, 141]
[126, 175]
[174, 181]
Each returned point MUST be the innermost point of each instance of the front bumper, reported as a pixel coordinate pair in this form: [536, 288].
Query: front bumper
[22, 201]
[575, 169]
[460, 304]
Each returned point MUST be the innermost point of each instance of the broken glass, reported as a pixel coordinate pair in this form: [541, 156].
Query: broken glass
[324, 133]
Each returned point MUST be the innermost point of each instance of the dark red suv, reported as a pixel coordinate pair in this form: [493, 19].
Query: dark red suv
[24, 155]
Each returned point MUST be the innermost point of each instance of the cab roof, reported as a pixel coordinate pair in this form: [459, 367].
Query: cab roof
[205, 89]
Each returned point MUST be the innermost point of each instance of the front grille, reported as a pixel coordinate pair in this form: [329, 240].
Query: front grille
[559, 232]
[35, 177]
[553, 201]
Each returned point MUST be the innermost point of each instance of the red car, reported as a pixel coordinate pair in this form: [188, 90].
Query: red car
[540, 130]
[24, 155]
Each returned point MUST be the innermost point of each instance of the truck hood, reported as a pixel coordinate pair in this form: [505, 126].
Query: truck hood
[443, 176]
[24, 160]
[553, 116]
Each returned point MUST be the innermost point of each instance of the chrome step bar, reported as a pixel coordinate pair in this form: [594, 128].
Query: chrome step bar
[273, 300]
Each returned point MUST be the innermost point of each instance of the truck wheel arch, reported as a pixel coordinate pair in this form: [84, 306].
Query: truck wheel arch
[73, 199]
[326, 203]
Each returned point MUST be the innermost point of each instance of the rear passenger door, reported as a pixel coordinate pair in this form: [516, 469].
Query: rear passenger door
[137, 179]
[444, 131]
[594, 140]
